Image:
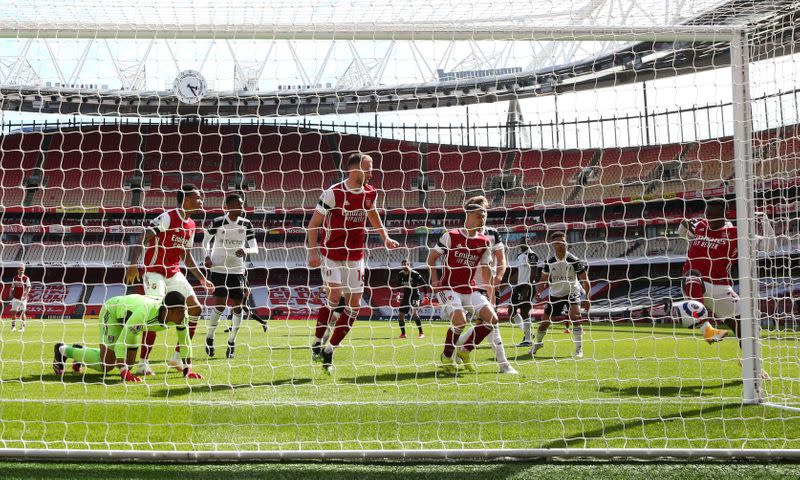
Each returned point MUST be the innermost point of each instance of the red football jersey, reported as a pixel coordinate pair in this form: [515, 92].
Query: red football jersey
[712, 252]
[18, 286]
[174, 235]
[345, 226]
[462, 255]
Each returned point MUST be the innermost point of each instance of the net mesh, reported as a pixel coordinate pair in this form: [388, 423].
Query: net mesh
[618, 165]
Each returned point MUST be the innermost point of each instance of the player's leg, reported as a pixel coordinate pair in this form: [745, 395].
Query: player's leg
[250, 308]
[452, 311]
[100, 359]
[213, 322]
[333, 318]
[155, 285]
[495, 340]
[527, 324]
[544, 325]
[332, 285]
[179, 283]
[22, 310]
[353, 289]
[236, 293]
[401, 319]
[15, 316]
[415, 317]
[220, 302]
[516, 301]
[694, 288]
[577, 327]
[487, 317]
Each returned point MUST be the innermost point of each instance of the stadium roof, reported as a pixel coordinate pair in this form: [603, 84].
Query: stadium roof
[285, 58]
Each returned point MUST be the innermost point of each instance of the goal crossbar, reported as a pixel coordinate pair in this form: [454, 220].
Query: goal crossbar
[371, 32]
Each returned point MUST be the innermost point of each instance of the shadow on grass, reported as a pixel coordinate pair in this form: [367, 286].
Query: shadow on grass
[249, 471]
[178, 391]
[396, 376]
[90, 377]
[668, 390]
[528, 356]
[581, 439]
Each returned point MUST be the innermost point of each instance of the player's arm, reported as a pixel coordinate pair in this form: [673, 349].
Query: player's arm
[433, 257]
[185, 344]
[418, 281]
[327, 201]
[765, 239]
[376, 223]
[484, 266]
[195, 271]
[208, 241]
[441, 247]
[544, 279]
[26, 290]
[157, 225]
[581, 270]
[250, 245]
[128, 344]
[686, 229]
[312, 239]
[587, 287]
[502, 265]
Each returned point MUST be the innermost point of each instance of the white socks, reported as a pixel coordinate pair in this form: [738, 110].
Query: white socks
[236, 322]
[577, 337]
[494, 339]
[516, 319]
[213, 322]
[540, 335]
[527, 326]
[497, 346]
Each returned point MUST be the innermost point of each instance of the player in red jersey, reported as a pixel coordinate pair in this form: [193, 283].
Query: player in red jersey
[168, 240]
[20, 289]
[712, 251]
[463, 252]
[342, 215]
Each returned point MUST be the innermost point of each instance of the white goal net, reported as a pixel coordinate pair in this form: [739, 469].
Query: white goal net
[410, 230]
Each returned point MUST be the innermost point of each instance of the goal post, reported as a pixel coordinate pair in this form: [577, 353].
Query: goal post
[745, 217]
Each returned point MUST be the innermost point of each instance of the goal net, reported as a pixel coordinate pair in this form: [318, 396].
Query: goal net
[661, 142]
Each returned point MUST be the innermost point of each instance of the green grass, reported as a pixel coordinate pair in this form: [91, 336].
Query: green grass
[455, 471]
[638, 387]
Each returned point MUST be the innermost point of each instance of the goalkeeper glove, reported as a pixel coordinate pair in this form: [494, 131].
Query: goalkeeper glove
[127, 376]
[191, 374]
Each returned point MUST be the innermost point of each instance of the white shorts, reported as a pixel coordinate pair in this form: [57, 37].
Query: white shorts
[156, 285]
[721, 301]
[18, 305]
[469, 303]
[347, 274]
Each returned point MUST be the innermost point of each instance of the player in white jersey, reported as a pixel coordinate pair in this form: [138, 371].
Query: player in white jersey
[488, 287]
[565, 274]
[227, 242]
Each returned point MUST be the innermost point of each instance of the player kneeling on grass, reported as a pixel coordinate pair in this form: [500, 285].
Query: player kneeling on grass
[123, 319]
[463, 251]
[564, 273]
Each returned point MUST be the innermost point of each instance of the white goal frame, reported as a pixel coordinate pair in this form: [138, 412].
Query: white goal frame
[736, 36]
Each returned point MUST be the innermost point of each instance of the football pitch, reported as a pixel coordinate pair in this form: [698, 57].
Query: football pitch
[638, 387]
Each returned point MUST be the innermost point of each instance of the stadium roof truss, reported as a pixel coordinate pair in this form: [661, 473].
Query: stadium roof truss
[353, 67]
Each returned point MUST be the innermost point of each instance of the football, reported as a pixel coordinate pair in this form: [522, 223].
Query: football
[689, 312]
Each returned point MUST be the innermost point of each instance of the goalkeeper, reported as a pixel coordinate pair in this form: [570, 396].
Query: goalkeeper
[123, 319]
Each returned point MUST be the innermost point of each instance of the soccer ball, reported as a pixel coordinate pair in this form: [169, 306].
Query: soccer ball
[690, 312]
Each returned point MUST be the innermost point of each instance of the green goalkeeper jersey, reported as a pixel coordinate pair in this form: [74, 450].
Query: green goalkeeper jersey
[124, 318]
